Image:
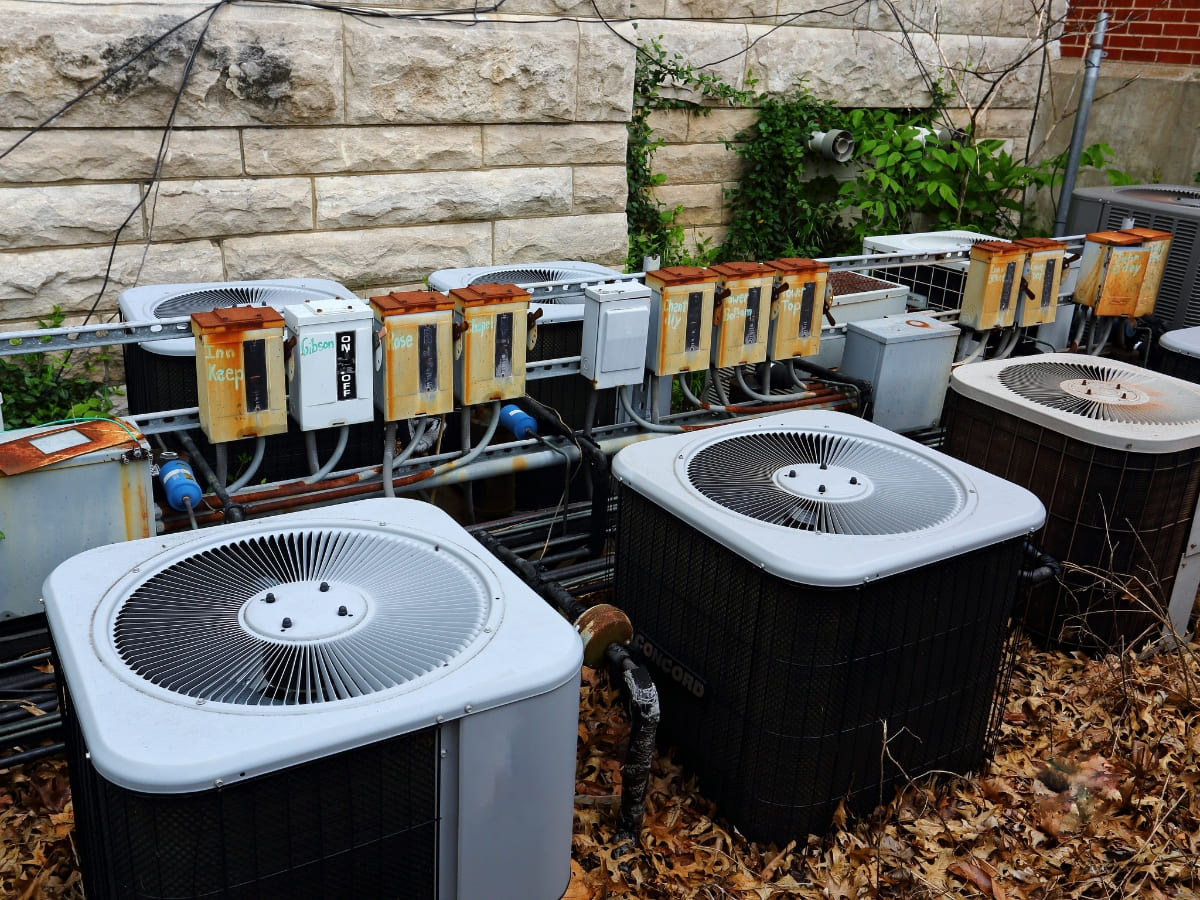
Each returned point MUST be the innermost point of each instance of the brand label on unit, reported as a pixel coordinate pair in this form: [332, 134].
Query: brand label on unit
[347, 376]
[808, 297]
[1006, 288]
[695, 306]
[668, 665]
[254, 361]
[504, 345]
[1048, 285]
[750, 332]
[427, 358]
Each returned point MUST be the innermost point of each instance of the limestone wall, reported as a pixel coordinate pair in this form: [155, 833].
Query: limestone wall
[373, 151]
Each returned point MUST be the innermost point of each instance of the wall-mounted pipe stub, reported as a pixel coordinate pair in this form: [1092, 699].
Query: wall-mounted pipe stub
[837, 145]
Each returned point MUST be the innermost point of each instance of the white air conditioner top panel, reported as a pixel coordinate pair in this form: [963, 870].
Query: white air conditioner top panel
[825, 498]
[1102, 402]
[153, 301]
[924, 241]
[1183, 340]
[555, 270]
[180, 689]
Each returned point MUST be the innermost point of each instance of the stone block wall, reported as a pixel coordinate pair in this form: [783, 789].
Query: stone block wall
[375, 150]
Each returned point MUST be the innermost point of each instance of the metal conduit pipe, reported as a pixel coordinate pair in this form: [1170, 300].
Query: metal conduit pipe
[822, 395]
[334, 457]
[260, 449]
[643, 696]
[767, 398]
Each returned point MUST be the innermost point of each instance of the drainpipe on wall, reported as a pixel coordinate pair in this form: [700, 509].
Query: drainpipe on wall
[1091, 72]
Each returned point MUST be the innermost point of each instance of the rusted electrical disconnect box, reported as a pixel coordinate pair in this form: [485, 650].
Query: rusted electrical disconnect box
[490, 328]
[993, 283]
[1158, 243]
[741, 313]
[681, 311]
[1111, 271]
[799, 303]
[414, 354]
[239, 372]
[1043, 275]
[329, 362]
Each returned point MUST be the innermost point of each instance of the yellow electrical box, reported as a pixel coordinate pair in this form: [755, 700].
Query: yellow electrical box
[1159, 245]
[741, 313]
[239, 372]
[993, 283]
[681, 311]
[490, 328]
[414, 354]
[797, 306]
[1111, 272]
[1043, 276]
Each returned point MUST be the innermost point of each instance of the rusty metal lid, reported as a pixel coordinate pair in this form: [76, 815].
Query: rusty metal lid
[987, 249]
[1040, 243]
[732, 270]
[401, 302]
[482, 294]
[236, 318]
[676, 275]
[36, 448]
[797, 265]
[1148, 234]
[1113, 238]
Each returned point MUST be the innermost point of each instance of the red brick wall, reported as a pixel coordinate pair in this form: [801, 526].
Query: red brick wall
[1143, 31]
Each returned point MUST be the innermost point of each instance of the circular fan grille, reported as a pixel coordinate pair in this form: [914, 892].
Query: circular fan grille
[234, 295]
[1104, 393]
[893, 490]
[1176, 196]
[301, 617]
[530, 275]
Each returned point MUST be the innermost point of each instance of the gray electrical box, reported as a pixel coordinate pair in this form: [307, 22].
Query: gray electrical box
[907, 360]
[65, 489]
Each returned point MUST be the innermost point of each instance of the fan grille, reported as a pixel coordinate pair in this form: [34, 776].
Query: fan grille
[531, 275]
[367, 612]
[1103, 393]
[234, 295]
[845, 485]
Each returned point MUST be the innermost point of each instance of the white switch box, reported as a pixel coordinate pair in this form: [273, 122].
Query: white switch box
[329, 372]
[616, 321]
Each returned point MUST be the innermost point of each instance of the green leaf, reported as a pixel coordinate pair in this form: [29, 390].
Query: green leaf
[948, 195]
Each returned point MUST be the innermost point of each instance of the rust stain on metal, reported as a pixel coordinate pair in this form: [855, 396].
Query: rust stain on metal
[598, 627]
[239, 372]
[493, 321]
[68, 442]
[854, 283]
[798, 301]
[415, 334]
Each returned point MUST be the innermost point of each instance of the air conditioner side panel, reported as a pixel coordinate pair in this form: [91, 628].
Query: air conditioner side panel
[516, 791]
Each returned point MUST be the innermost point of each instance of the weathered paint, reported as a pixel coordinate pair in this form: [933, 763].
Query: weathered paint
[226, 379]
[797, 307]
[741, 317]
[993, 284]
[681, 312]
[491, 325]
[23, 455]
[1111, 272]
[599, 626]
[1159, 245]
[414, 353]
[1043, 277]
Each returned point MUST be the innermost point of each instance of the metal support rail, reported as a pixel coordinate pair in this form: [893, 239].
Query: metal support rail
[15, 343]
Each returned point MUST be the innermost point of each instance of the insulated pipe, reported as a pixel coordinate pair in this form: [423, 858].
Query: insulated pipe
[233, 512]
[864, 387]
[260, 449]
[643, 696]
[740, 409]
[1091, 73]
[1043, 568]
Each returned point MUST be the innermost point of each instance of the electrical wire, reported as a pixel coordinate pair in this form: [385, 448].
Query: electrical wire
[260, 447]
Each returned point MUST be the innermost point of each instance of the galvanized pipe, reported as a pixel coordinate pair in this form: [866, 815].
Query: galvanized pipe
[1091, 73]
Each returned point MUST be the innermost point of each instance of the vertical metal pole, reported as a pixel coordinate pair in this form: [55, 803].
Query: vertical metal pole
[1091, 72]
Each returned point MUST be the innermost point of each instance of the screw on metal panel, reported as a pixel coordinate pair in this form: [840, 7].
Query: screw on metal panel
[218, 782]
[853, 480]
[821, 489]
[468, 708]
[270, 598]
[324, 586]
[824, 467]
[444, 754]
[441, 719]
[487, 631]
[342, 611]
[792, 473]
[286, 623]
[200, 701]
